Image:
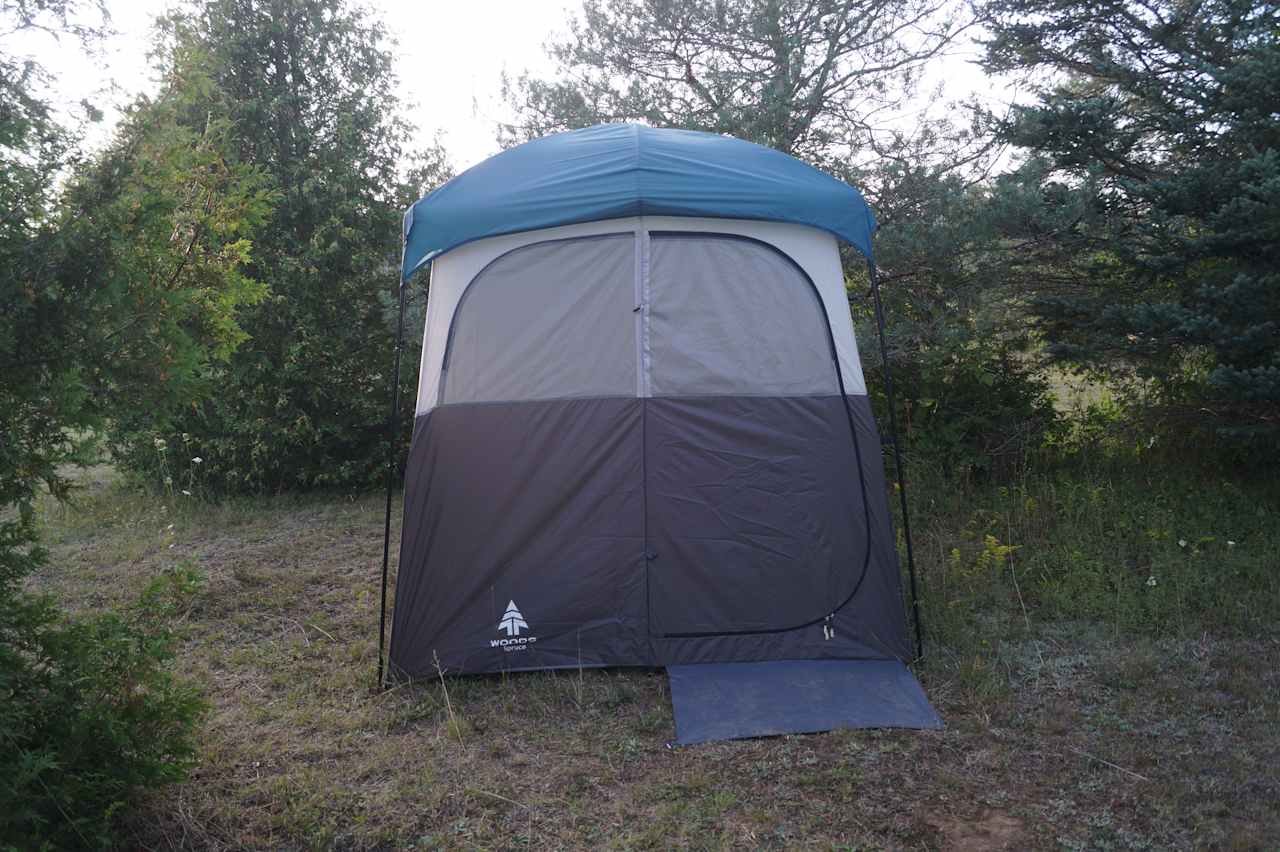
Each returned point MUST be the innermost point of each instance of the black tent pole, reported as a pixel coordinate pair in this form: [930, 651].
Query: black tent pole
[392, 424]
[897, 455]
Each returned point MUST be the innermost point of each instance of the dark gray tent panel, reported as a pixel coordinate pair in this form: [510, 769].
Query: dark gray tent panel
[643, 440]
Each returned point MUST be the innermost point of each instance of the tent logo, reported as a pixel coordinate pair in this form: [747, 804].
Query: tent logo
[512, 623]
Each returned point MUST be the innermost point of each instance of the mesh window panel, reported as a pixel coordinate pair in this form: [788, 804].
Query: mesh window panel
[733, 316]
[547, 321]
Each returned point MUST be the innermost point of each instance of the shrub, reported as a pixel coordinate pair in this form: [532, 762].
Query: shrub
[90, 714]
[972, 405]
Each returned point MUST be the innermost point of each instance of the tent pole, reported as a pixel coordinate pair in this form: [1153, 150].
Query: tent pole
[392, 424]
[897, 455]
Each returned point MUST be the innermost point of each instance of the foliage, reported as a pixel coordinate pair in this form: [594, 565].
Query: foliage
[1159, 121]
[90, 715]
[954, 269]
[120, 291]
[116, 288]
[968, 400]
[307, 93]
[34, 147]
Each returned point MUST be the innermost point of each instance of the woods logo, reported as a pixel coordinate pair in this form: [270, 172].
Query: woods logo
[513, 622]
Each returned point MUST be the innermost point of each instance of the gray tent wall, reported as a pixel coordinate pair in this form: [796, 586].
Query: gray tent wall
[643, 441]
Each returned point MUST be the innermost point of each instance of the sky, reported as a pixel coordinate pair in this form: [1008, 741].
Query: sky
[450, 57]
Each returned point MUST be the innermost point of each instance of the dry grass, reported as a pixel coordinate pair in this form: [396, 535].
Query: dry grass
[1070, 738]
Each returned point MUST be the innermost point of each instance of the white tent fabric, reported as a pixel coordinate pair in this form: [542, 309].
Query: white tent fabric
[533, 268]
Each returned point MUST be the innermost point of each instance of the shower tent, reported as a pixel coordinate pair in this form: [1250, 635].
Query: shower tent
[642, 432]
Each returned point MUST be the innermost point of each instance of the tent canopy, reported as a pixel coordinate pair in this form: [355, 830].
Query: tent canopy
[615, 170]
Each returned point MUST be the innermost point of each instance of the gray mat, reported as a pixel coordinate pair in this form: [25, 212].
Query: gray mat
[728, 701]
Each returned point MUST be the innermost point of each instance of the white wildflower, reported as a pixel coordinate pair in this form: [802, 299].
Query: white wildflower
[186, 492]
[1182, 542]
[1230, 543]
[1151, 581]
[197, 460]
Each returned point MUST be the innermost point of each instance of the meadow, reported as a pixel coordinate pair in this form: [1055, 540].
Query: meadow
[1100, 641]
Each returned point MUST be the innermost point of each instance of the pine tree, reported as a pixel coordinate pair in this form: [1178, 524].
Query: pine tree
[1161, 123]
[308, 90]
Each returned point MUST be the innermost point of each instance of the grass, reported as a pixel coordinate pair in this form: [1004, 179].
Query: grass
[1085, 708]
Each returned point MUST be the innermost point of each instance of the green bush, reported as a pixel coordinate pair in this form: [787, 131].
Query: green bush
[296, 431]
[91, 716]
[970, 405]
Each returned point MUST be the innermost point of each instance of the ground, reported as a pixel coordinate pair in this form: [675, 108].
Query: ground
[1067, 733]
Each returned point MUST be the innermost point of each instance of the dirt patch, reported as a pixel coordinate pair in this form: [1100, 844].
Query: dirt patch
[989, 830]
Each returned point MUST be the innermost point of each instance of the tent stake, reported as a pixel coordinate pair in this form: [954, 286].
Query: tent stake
[897, 455]
[392, 422]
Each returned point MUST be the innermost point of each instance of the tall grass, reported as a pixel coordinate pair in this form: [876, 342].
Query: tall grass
[1140, 542]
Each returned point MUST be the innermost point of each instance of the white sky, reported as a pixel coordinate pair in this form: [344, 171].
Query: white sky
[450, 57]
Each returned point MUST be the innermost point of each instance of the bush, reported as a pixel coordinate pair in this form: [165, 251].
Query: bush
[302, 432]
[90, 714]
[970, 405]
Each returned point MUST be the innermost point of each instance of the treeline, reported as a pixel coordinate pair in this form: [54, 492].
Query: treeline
[210, 295]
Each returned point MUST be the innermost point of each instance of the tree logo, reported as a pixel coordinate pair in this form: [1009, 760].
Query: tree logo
[512, 621]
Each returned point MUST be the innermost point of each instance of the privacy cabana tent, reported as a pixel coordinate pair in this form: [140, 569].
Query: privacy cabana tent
[642, 433]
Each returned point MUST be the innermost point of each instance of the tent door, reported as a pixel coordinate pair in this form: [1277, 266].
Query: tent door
[747, 443]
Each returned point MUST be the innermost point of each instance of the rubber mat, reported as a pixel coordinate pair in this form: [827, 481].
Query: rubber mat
[729, 701]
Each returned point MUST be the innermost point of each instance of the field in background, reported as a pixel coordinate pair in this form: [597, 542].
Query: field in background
[1102, 646]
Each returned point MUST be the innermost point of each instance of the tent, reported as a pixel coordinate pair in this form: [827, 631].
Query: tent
[642, 431]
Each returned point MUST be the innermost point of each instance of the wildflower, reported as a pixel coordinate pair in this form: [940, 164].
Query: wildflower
[169, 527]
[1230, 543]
[1151, 581]
[1182, 542]
[197, 460]
[168, 480]
[186, 492]
[160, 443]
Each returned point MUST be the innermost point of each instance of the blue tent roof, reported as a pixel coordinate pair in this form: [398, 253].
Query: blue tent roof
[615, 170]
